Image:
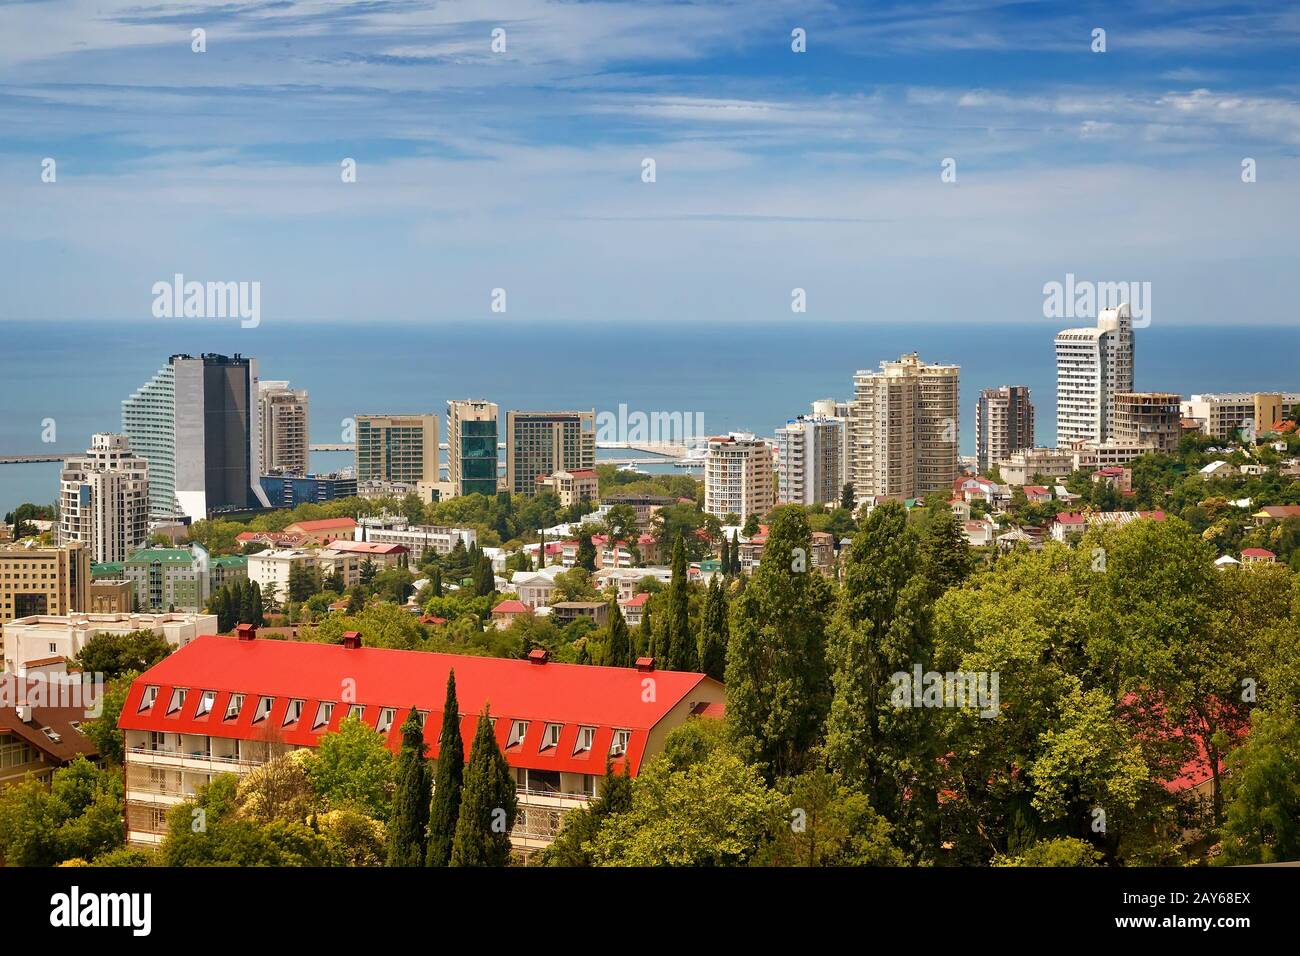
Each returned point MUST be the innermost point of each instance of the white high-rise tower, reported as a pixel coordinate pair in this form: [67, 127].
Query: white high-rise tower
[1092, 366]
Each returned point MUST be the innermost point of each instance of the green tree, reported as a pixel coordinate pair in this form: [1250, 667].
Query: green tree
[103, 731]
[945, 552]
[677, 645]
[116, 654]
[448, 781]
[353, 768]
[714, 632]
[1262, 821]
[79, 816]
[488, 804]
[848, 500]
[409, 818]
[830, 825]
[618, 644]
[586, 558]
[572, 846]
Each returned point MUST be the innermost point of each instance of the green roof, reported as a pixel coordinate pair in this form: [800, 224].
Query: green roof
[162, 556]
[109, 569]
[231, 561]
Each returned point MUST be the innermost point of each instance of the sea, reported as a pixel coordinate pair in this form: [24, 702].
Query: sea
[62, 381]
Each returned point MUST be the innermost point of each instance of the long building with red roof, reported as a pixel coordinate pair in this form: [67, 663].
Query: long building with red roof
[222, 705]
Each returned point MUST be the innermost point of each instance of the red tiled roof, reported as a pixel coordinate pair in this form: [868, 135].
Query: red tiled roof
[637, 600]
[367, 547]
[322, 524]
[510, 607]
[573, 695]
[1257, 553]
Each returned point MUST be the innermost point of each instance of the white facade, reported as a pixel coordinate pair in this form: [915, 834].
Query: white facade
[809, 460]
[1092, 366]
[273, 567]
[738, 476]
[64, 635]
[416, 538]
[104, 500]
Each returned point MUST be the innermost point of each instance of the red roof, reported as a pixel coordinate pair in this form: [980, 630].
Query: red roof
[367, 547]
[637, 600]
[1035, 490]
[1258, 553]
[510, 607]
[1070, 517]
[573, 695]
[323, 524]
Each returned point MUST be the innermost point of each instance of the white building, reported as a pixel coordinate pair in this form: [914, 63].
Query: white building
[285, 428]
[738, 476]
[534, 588]
[417, 539]
[273, 567]
[44, 636]
[1092, 366]
[809, 460]
[104, 500]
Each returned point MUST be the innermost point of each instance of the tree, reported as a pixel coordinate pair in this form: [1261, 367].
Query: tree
[103, 731]
[367, 572]
[848, 500]
[945, 552]
[573, 585]
[572, 846]
[79, 815]
[356, 599]
[830, 825]
[778, 688]
[714, 632]
[353, 768]
[752, 526]
[677, 645]
[304, 581]
[618, 643]
[116, 654]
[488, 804]
[1262, 822]
[409, 817]
[1062, 851]
[448, 781]
[586, 558]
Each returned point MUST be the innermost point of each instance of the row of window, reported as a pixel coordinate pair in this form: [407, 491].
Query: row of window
[387, 715]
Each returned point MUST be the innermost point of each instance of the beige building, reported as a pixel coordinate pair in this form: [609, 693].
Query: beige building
[44, 636]
[542, 443]
[739, 476]
[1223, 414]
[809, 460]
[1004, 424]
[110, 596]
[285, 429]
[472, 437]
[39, 580]
[905, 429]
[1149, 418]
[1020, 467]
[397, 448]
[104, 500]
[572, 487]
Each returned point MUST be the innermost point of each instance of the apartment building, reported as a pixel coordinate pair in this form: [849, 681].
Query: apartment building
[397, 448]
[1223, 414]
[1020, 467]
[840, 412]
[739, 476]
[809, 460]
[36, 741]
[1153, 419]
[322, 530]
[196, 424]
[180, 579]
[104, 499]
[226, 705]
[44, 636]
[110, 595]
[542, 443]
[417, 539]
[571, 487]
[291, 490]
[285, 428]
[347, 558]
[472, 438]
[1004, 424]
[905, 429]
[42, 580]
[1093, 365]
[645, 506]
[271, 569]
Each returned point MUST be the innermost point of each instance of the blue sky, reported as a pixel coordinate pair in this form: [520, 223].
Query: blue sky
[775, 170]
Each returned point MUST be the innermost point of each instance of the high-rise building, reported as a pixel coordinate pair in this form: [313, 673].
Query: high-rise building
[809, 460]
[1223, 414]
[1004, 424]
[397, 448]
[738, 476]
[196, 423]
[1093, 365]
[472, 447]
[285, 428]
[104, 499]
[539, 444]
[840, 411]
[1150, 418]
[37, 580]
[905, 428]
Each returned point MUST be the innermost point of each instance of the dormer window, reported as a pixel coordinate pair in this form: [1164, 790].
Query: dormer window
[323, 714]
[235, 706]
[149, 697]
[357, 710]
[518, 730]
[293, 713]
[264, 705]
[551, 736]
[208, 698]
[178, 700]
[421, 716]
[586, 738]
[618, 746]
[386, 717]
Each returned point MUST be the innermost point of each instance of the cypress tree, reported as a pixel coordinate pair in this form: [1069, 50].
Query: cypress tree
[586, 557]
[259, 616]
[945, 552]
[247, 613]
[678, 641]
[714, 632]
[618, 649]
[435, 583]
[408, 822]
[488, 804]
[847, 497]
[447, 781]
[645, 639]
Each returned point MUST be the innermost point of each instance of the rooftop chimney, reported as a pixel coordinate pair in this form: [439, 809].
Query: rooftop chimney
[352, 639]
[645, 663]
[246, 632]
[538, 655]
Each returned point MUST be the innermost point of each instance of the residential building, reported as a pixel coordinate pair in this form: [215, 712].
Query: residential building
[645, 506]
[196, 423]
[110, 595]
[1093, 365]
[1257, 556]
[542, 443]
[347, 558]
[1112, 451]
[809, 460]
[224, 705]
[42, 636]
[1020, 467]
[1004, 424]
[472, 437]
[633, 608]
[1262, 517]
[272, 569]
[840, 412]
[905, 429]
[534, 587]
[36, 741]
[290, 491]
[566, 612]
[1069, 526]
[505, 612]
[417, 539]
[627, 580]
[1118, 477]
[285, 428]
[397, 448]
[738, 476]
[43, 580]
[1149, 418]
[571, 487]
[322, 530]
[180, 579]
[1223, 414]
[104, 499]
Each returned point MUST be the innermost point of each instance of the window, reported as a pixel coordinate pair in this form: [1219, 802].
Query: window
[323, 714]
[235, 707]
[586, 737]
[518, 729]
[205, 703]
[386, 716]
[551, 736]
[357, 710]
[293, 712]
[264, 705]
[148, 698]
[618, 746]
[177, 701]
[421, 716]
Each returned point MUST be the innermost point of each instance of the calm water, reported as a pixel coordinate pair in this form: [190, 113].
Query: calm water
[741, 378]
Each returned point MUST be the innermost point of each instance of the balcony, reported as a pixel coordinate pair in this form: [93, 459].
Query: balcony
[196, 760]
